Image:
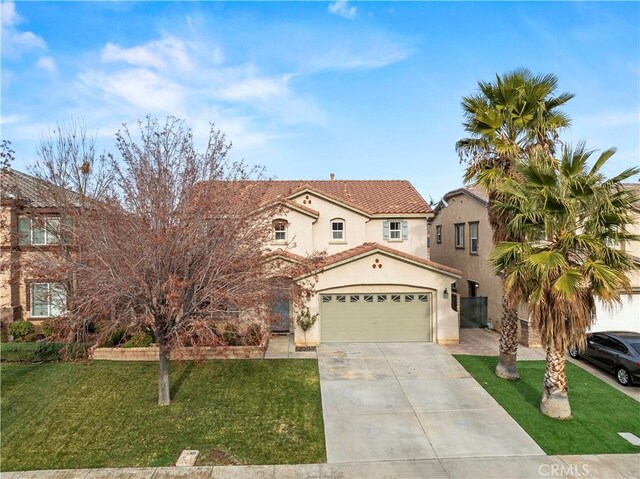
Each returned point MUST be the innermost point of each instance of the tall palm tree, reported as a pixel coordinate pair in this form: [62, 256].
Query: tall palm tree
[508, 119]
[569, 220]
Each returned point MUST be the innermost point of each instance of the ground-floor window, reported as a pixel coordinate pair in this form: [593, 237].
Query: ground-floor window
[47, 300]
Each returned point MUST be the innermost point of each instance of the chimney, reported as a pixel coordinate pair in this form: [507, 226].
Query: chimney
[332, 176]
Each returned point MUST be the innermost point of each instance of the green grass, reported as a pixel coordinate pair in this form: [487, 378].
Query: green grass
[105, 414]
[599, 410]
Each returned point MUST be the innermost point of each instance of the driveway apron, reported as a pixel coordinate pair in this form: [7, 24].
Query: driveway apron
[408, 401]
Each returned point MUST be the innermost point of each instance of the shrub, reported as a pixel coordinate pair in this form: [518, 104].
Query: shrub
[113, 338]
[40, 352]
[48, 328]
[18, 352]
[139, 340]
[305, 320]
[255, 334]
[231, 338]
[22, 330]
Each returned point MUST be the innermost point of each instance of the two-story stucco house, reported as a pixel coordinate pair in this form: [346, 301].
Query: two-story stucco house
[27, 228]
[376, 283]
[626, 316]
[461, 237]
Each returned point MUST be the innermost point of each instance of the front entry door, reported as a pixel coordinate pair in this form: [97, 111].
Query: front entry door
[280, 322]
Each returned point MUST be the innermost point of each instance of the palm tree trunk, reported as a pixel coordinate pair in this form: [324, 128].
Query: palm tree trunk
[555, 399]
[506, 367]
[164, 396]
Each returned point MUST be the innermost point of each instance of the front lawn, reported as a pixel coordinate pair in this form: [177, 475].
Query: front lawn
[105, 414]
[600, 411]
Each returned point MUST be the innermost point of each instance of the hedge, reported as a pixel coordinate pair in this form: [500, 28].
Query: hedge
[39, 352]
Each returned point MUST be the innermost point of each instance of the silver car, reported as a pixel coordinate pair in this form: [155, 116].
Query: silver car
[615, 351]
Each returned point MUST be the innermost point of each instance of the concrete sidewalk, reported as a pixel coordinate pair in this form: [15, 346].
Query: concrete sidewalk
[522, 467]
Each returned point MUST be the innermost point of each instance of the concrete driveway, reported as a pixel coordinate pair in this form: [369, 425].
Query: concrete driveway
[403, 401]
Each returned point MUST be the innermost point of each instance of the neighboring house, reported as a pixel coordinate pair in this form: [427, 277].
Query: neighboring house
[28, 226]
[376, 283]
[626, 316]
[461, 237]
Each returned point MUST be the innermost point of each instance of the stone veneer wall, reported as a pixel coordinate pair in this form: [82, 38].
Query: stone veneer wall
[528, 336]
[180, 354]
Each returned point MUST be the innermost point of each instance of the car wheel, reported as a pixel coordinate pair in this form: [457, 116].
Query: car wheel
[573, 352]
[622, 375]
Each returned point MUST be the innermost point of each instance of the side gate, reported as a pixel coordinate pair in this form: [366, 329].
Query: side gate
[473, 312]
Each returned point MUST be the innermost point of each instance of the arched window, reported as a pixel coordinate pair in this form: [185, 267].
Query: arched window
[280, 227]
[338, 230]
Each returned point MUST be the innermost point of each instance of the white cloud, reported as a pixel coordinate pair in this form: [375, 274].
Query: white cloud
[166, 53]
[353, 57]
[48, 64]
[252, 89]
[14, 41]
[11, 119]
[342, 8]
[140, 88]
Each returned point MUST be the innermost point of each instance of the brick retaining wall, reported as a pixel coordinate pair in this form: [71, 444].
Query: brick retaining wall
[179, 354]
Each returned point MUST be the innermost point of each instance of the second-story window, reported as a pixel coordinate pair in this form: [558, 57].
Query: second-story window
[459, 235]
[395, 230]
[337, 230]
[39, 231]
[473, 238]
[439, 234]
[280, 231]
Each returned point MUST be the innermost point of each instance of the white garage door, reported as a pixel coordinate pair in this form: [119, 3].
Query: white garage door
[375, 317]
[621, 318]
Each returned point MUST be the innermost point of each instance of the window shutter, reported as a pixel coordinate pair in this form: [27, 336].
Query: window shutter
[67, 228]
[385, 230]
[405, 230]
[24, 230]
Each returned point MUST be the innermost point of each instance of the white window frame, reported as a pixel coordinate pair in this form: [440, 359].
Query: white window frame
[284, 231]
[458, 236]
[473, 238]
[395, 234]
[343, 235]
[49, 236]
[438, 234]
[32, 290]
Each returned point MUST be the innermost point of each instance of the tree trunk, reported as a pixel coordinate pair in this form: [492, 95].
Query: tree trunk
[506, 367]
[164, 397]
[555, 400]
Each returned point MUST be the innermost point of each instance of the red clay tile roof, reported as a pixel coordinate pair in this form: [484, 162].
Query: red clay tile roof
[280, 253]
[15, 185]
[370, 196]
[302, 207]
[370, 247]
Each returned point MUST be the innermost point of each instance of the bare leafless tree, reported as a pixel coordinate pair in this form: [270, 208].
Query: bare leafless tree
[176, 248]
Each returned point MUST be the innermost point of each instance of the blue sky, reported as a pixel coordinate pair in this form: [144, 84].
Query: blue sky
[366, 90]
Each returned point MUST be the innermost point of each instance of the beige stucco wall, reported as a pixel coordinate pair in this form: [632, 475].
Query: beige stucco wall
[321, 234]
[5, 274]
[462, 209]
[299, 233]
[416, 242]
[633, 247]
[395, 276]
[359, 229]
